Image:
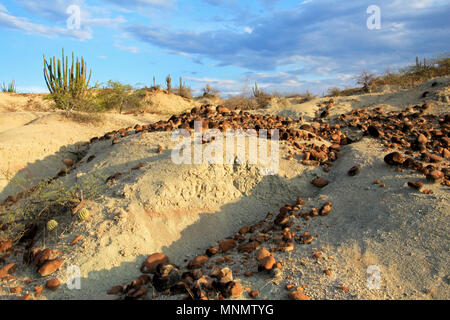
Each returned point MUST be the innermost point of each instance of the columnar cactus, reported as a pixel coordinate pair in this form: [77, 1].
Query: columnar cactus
[61, 79]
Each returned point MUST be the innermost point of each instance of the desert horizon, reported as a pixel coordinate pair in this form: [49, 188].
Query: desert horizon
[213, 150]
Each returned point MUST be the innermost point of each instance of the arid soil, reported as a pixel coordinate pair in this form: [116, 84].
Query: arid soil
[359, 207]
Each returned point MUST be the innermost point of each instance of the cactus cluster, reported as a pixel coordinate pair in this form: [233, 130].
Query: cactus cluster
[64, 80]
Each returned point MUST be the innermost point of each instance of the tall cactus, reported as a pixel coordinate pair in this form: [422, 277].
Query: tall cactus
[62, 80]
[169, 83]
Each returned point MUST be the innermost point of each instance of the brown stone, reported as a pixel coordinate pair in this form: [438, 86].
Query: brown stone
[50, 266]
[262, 253]
[115, 290]
[248, 247]
[197, 262]
[211, 252]
[8, 269]
[253, 294]
[415, 185]
[152, 262]
[298, 295]
[76, 240]
[16, 290]
[5, 246]
[53, 284]
[435, 176]
[68, 162]
[267, 263]
[394, 158]
[317, 254]
[353, 171]
[320, 182]
[236, 289]
[227, 245]
[326, 209]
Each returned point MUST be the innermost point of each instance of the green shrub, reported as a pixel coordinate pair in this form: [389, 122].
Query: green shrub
[120, 97]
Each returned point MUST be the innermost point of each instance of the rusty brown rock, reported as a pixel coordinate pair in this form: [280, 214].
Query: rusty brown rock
[7, 270]
[262, 253]
[254, 293]
[197, 262]
[415, 185]
[76, 240]
[5, 246]
[326, 209]
[68, 163]
[298, 295]
[319, 182]
[267, 263]
[151, 263]
[227, 245]
[435, 176]
[115, 290]
[353, 171]
[50, 267]
[248, 247]
[53, 284]
[394, 158]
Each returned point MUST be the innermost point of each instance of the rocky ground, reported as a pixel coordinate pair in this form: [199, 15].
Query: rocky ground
[357, 210]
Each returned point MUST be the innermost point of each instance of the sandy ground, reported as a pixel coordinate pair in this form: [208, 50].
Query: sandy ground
[183, 210]
[34, 139]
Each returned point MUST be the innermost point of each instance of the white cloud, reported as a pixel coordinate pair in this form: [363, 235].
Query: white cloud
[19, 23]
[131, 49]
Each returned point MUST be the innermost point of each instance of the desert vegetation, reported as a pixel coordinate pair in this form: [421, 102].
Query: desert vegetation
[404, 78]
[11, 87]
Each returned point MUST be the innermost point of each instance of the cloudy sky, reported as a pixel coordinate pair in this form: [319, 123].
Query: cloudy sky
[284, 45]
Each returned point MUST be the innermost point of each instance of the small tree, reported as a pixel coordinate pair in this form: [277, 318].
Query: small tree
[119, 96]
[209, 91]
[365, 79]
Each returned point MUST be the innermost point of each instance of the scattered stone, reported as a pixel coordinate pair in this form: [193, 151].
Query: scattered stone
[327, 272]
[320, 182]
[262, 253]
[152, 262]
[415, 185]
[326, 209]
[7, 270]
[317, 254]
[68, 162]
[253, 294]
[227, 245]
[16, 290]
[76, 240]
[197, 262]
[267, 263]
[298, 295]
[248, 247]
[435, 176]
[5, 246]
[394, 158]
[353, 171]
[53, 284]
[50, 267]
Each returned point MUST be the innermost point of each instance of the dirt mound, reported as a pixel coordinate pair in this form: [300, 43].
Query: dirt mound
[164, 103]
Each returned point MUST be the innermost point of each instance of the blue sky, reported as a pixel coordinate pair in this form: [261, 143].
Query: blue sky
[284, 45]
